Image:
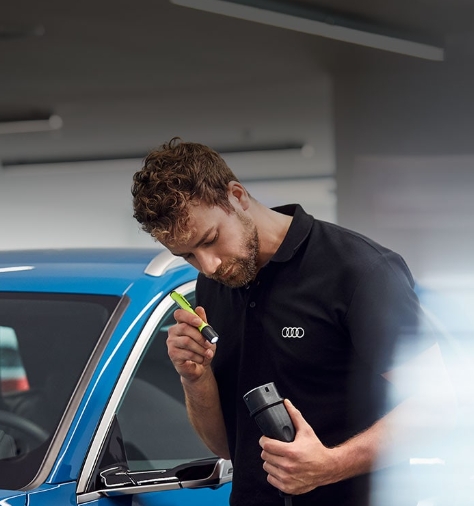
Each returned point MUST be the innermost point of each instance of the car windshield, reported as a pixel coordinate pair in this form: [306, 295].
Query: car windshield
[46, 341]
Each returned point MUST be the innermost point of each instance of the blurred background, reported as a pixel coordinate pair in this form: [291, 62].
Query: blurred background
[375, 140]
[361, 111]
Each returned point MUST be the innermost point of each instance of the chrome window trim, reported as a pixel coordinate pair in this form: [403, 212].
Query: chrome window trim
[118, 392]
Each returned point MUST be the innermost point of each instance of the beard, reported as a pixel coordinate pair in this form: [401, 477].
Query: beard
[241, 270]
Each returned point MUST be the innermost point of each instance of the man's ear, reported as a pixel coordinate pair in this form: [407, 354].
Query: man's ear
[238, 195]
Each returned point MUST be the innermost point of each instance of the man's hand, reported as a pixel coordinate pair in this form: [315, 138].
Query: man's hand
[300, 466]
[189, 351]
[191, 355]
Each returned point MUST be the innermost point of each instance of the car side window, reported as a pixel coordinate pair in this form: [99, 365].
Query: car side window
[152, 416]
[12, 373]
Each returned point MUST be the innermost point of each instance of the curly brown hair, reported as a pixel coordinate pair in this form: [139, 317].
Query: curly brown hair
[173, 176]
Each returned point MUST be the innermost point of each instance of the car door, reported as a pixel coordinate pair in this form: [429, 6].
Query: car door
[145, 446]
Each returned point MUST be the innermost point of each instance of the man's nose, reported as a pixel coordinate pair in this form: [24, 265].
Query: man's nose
[209, 263]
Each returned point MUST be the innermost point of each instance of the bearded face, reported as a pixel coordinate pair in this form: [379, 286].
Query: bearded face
[242, 268]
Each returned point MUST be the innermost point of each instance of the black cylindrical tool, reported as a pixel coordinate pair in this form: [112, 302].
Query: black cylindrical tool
[266, 407]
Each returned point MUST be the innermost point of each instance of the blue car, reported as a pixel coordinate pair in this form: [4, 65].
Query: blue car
[96, 413]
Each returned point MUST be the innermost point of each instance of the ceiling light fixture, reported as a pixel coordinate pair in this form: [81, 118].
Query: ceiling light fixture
[28, 125]
[317, 22]
[288, 146]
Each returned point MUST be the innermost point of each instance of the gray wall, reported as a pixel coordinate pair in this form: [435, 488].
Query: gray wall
[401, 140]
[89, 204]
[405, 165]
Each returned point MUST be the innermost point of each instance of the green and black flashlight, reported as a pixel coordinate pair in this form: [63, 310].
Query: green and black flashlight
[206, 330]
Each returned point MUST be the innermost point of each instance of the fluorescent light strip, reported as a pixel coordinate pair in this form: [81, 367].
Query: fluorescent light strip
[313, 27]
[33, 125]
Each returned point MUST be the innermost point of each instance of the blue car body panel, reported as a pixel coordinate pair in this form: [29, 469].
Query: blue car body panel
[121, 273]
[100, 271]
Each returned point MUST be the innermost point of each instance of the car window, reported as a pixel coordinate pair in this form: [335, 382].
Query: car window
[13, 376]
[152, 415]
[46, 341]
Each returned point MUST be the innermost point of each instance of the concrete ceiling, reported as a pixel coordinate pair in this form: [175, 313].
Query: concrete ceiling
[124, 76]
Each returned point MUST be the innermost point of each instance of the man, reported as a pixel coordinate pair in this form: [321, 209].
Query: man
[325, 313]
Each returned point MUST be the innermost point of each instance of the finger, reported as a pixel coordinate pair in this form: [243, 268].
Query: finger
[194, 320]
[186, 343]
[271, 469]
[190, 328]
[275, 482]
[297, 418]
[274, 476]
[201, 312]
[183, 316]
[181, 355]
[185, 336]
[272, 448]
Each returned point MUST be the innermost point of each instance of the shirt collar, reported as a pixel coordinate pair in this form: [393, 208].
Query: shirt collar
[299, 230]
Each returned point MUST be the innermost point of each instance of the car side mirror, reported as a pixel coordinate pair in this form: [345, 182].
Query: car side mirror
[211, 472]
[113, 477]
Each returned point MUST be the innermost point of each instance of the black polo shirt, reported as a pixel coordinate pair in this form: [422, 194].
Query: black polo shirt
[329, 313]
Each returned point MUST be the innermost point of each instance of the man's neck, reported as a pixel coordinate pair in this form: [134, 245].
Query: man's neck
[272, 228]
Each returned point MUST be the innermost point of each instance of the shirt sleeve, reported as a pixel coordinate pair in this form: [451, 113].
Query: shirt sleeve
[384, 319]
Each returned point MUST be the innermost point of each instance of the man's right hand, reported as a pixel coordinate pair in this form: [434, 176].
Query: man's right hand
[191, 355]
[188, 349]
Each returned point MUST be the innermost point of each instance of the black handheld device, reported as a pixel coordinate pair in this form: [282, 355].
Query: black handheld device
[266, 407]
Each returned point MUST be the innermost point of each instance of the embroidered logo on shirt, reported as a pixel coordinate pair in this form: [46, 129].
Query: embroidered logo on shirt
[292, 332]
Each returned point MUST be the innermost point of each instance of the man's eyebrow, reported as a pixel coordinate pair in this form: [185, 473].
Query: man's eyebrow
[203, 238]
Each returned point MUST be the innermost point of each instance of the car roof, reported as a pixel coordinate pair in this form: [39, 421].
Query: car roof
[87, 270]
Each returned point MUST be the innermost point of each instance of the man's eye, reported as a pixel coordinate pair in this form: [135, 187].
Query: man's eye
[212, 241]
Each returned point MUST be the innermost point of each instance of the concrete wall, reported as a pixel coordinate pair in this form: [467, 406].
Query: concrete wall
[405, 165]
[89, 204]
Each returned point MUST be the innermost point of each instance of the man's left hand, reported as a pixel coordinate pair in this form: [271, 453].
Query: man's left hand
[302, 465]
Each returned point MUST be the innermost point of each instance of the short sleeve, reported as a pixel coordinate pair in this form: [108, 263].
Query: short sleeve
[384, 318]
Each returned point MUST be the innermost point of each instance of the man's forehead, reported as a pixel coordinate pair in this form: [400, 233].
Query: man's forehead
[202, 219]
[182, 241]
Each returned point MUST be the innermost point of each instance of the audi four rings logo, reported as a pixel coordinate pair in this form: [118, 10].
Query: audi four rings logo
[294, 332]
